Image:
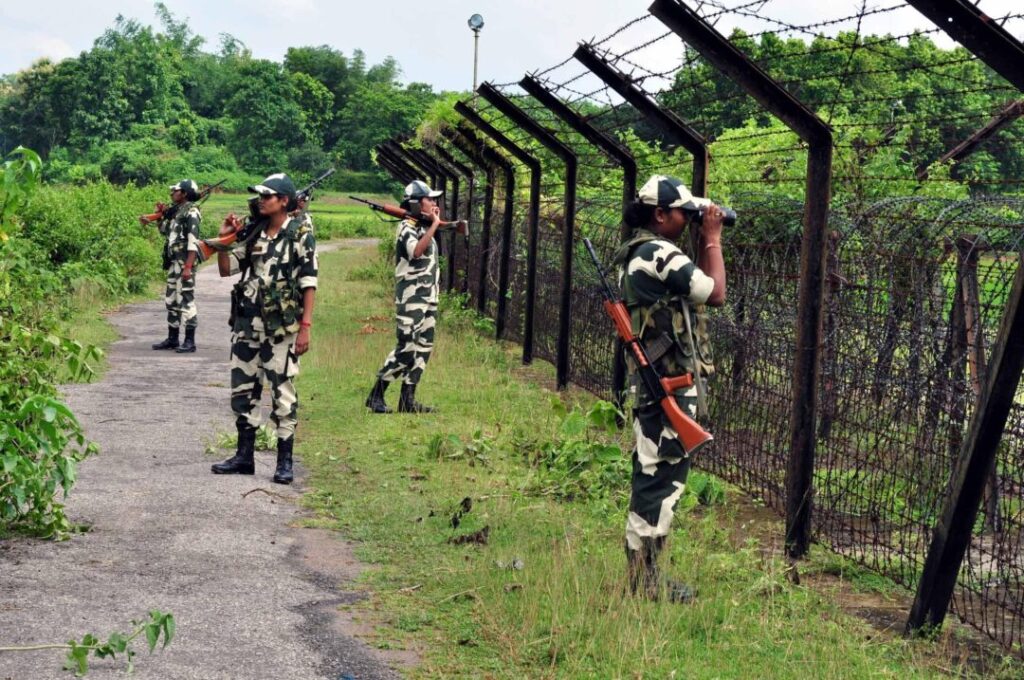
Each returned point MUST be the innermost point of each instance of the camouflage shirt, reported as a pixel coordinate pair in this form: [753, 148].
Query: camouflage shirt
[660, 283]
[268, 297]
[414, 276]
[183, 232]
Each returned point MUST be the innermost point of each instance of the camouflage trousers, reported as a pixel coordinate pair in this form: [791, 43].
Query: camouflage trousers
[180, 298]
[660, 468]
[252, 362]
[415, 324]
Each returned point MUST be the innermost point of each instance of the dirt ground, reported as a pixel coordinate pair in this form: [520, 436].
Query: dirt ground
[253, 596]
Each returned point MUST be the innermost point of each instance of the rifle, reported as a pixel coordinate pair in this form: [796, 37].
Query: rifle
[205, 193]
[691, 435]
[162, 208]
[306, 192]
[461, 226]
[253, 224]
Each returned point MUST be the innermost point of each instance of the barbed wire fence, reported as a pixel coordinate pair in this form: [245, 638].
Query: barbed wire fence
[874, 271]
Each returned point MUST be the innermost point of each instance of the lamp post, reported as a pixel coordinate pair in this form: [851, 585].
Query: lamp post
[476, 22]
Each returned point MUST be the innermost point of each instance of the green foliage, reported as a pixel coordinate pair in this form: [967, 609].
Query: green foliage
[157, 96]
[160, 624]
[97, 226]
[19, 176]
[578, 463]
[40, 439]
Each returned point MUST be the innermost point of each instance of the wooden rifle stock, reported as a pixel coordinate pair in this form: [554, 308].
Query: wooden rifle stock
[691, 435]
[154, 216]
[460, 226]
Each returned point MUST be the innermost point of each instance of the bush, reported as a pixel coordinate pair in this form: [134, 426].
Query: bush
[95, 223]
[139, 162]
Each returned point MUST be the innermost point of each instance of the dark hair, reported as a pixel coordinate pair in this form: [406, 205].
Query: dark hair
[637, 214]
[191, 196]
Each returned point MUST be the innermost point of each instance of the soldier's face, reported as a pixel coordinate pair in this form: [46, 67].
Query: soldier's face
[670, 222]
[177, 195]
[271, 203]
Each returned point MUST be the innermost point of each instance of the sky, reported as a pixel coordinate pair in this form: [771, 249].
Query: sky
[431, 41]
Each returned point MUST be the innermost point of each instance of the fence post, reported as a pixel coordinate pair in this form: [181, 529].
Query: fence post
[987, 40]
[519, 117]
[453, 211]
[440, 173]
[422, 172]
[495, 159]
[995, 46]
[618, 154]
[470, 187]
[407, 170]
[718, 51]
[656, 114]
[953, 530]
[473, 118]
[469, 145]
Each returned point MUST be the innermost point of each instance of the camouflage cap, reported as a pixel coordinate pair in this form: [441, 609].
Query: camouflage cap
[669, 192]
[187, 185]
[278, 183]
[418, 189]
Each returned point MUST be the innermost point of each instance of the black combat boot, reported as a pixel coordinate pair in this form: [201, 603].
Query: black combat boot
[283, 474]
[645, 578]
[190, 341]
[241, 463]
[407, 402]
[171, 342]
[375, 402]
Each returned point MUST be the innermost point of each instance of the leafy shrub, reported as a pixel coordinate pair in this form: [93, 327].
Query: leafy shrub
[40, 440]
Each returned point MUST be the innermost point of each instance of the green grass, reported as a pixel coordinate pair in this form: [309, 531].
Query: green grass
[394, 482]
[334, 214]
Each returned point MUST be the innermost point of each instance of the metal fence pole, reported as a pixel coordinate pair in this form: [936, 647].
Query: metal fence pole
[619, 154]
[470, 147]
[666, 120]
[531, 222]
[991, 43]
[520, 118]
[722, 54]
[470, 189]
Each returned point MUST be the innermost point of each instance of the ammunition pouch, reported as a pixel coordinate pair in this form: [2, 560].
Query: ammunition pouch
[280, 308]
[241, 306]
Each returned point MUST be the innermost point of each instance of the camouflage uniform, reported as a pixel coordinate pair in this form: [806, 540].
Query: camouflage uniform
[182, 232]
[307, 221]
[661, 284]
[267, 310]
[416, 287]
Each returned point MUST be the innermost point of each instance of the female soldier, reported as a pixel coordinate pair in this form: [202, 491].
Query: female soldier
[416, 279]
[272, 317]
[180, 226]
[661, 287]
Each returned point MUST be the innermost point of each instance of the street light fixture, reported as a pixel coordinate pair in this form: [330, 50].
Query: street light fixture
[476, 22]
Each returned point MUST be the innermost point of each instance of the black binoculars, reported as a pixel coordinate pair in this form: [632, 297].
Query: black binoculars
[697, 216]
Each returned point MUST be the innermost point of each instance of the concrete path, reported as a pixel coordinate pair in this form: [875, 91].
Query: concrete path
[253, 597]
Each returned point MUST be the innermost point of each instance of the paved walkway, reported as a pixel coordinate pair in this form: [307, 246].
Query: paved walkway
[253, 597]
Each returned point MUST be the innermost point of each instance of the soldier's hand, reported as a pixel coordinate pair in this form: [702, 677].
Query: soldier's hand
[435, 216]
[302, 341]
[711, 226]
[186, 274]
[231, 225]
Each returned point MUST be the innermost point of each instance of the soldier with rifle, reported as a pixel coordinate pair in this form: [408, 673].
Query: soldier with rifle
[663, 291]
[271, 318]
[179, 224]
[416, 289]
